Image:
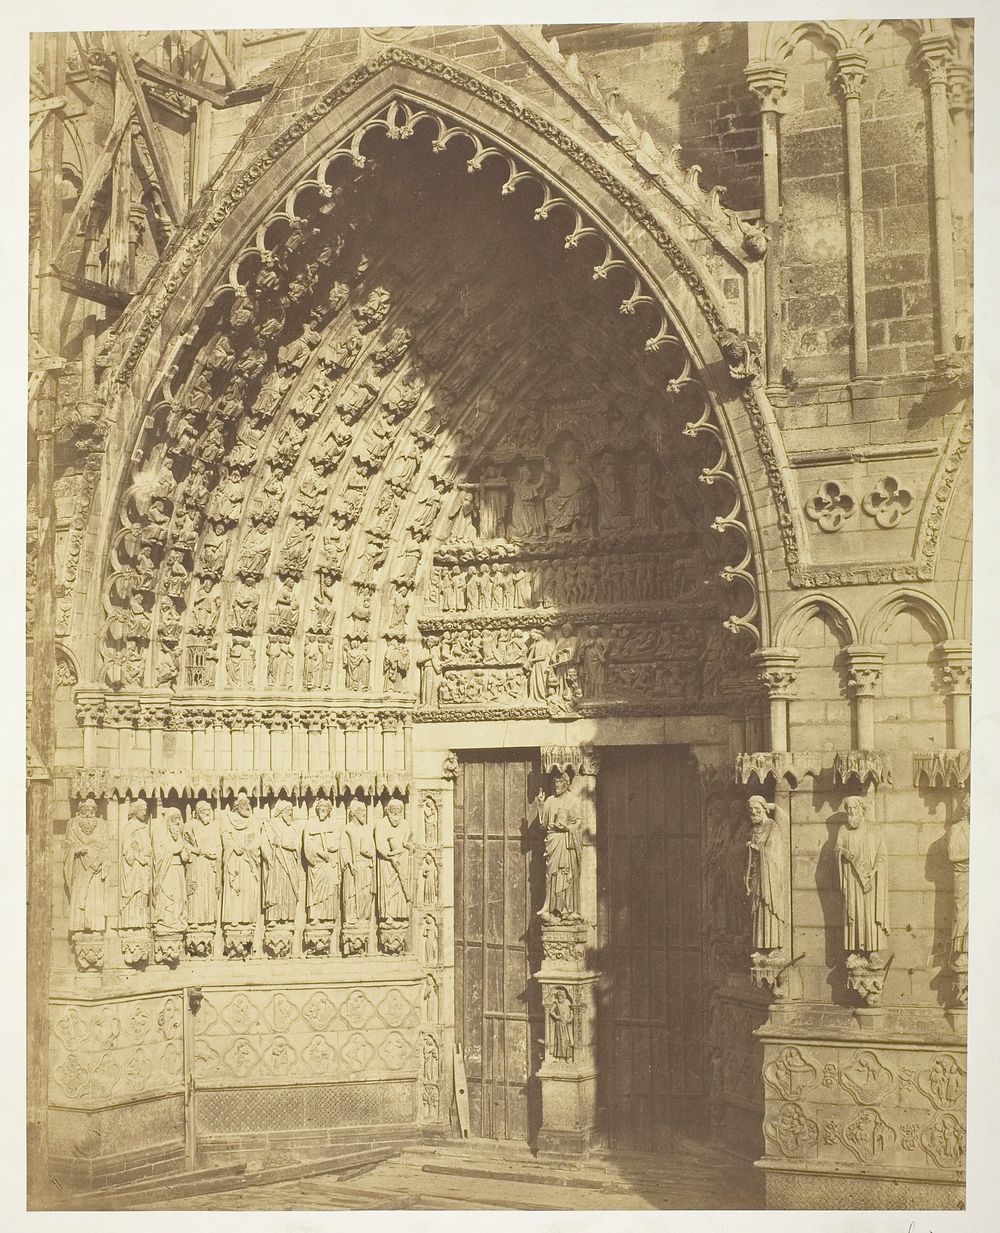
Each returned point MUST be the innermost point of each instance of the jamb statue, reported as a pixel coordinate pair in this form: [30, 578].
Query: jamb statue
[560, 819]
[863, 862]
[766, 876]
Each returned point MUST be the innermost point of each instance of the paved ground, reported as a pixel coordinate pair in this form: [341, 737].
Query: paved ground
[490, 1176]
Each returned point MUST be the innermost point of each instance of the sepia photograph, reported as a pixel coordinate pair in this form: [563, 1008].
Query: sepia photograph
[499, 616]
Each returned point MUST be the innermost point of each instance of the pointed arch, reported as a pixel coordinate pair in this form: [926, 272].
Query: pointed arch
[401, 93]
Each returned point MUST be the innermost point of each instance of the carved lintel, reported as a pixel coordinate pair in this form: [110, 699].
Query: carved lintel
[136, 946]
[278, 941]
[88, 950]
[199, 943]
[866, 976]
[316, 940]
[581, 759]
[770, 765]
[864, 765]
[354, 939]
[941, 768]
[237, 941]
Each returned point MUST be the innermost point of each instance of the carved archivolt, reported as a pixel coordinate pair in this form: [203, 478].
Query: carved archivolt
[244, 557]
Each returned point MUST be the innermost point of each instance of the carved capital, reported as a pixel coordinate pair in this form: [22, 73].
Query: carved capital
[775, 670]
[767, 82]
[864, 670]
[937, 52]
[852, 67]
[955, 663]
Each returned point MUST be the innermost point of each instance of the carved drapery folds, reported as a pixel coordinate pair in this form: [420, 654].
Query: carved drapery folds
[863, 866]
[267, 866]
[767, 887]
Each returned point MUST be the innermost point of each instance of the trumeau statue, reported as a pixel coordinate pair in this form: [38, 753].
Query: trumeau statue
[863, 863]
[85, 869]
[241, 864]
[561, 820]
[766, 876]
[204, 865]
[321, 849]
[281, 844]
[393, 850]
[357, 860]
[136, 860]
[169, 887]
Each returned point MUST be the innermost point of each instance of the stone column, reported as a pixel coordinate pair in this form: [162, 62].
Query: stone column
[776, 673]
[767, 82]
[936, 51]
[864, 671]
[568, 1075]
[851, 67]
[955, 658]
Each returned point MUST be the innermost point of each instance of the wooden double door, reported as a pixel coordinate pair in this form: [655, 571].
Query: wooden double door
[650, 1010]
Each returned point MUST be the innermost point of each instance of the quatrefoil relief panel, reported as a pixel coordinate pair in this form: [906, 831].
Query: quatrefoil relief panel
[888, 502]
[830, 507]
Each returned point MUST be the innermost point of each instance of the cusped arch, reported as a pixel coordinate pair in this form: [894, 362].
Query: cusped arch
[401, 90]
[884, 611]
[788, 627]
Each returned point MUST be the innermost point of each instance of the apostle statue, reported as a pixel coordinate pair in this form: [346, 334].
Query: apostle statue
[766, 877]
[204, 865]
[393, 847]
[169, 886]
[136, 860]
[958, 855]
[85, 869]
[863, 863]
[357, 861]
[241, 864]
[281, 843]
[562, 822]
[321, 849]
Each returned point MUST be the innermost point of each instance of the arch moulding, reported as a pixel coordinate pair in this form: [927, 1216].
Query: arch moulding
[396, 90]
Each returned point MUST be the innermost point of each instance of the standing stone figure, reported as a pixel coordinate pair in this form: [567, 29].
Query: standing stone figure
[430, 665]
[562, 1040]
[562, 823]
[766, 875]
[527, 517]
[393, 846]
[241, 864]
[321, 849]
[863, 864]
[169, 886]
[85, 868]
[136, 861]
[204, 854]
[357, 861]
[281, 843]
[958, 855]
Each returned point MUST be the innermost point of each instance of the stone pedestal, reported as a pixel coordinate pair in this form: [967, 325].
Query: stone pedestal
[569, 1073]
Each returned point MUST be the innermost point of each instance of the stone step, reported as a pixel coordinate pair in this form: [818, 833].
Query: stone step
[211, 1180]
